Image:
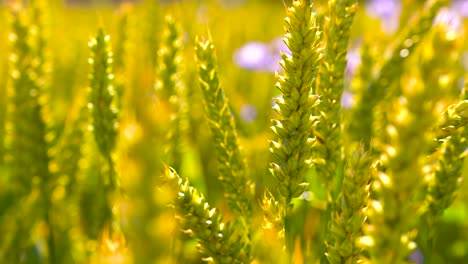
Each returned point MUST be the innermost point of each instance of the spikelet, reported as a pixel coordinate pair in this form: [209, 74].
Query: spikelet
[445, 177]
[293, 147]
[231, 164]
[26, 142]
[94, 197]
[348, 216]
[169, 59]
[169, 88]
[452, 119]
[330, 87]
[102, 93]
[448, 172]
[217, 241]
[104, 114]
[29, 157]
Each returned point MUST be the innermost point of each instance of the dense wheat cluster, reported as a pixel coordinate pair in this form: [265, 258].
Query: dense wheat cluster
[233, 132]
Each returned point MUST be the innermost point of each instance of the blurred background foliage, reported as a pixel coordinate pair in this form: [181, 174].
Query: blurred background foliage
[148, 225]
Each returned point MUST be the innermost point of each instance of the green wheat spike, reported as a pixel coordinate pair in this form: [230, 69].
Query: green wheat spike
[452, 119]
[102, 94]
[231, 164]
[448, 172]
[294, 145]
[348, 216]
[93, 179]
[102, 101]
[293, 148]
[446, 176]
[444, 181]
[390, 70]
[94, 197]
[170, 88]
[219, 242]
[330, 86]
[169, 59]
[102, 179]
[29, 157]
[26, 135]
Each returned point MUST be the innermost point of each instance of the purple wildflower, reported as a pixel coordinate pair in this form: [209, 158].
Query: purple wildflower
[347, 100]
[261, 56]
[387, 11]
[353, 60]
[461, 7]
[450, 19]
[253, 56]
[248, 113]
[416, 257]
